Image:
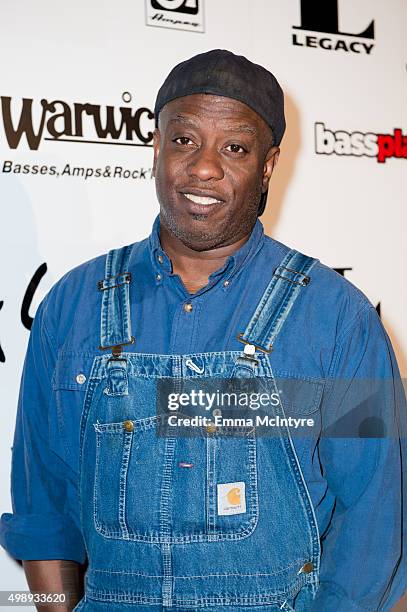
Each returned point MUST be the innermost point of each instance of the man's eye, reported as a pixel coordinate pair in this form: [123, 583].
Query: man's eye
[235, 148]
[183, 140]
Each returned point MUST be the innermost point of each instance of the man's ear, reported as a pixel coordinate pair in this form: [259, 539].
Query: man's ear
[156, 145]
[269, 165]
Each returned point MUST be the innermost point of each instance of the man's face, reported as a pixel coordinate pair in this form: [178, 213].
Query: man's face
[212, 160]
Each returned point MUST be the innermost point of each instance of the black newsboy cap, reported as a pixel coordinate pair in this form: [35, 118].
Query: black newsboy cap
[223, 73]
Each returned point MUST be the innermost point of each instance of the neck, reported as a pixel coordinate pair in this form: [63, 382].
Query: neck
[195, 267]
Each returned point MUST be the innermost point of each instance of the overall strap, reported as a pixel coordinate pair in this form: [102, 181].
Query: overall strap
[115, 328]
[288, 280]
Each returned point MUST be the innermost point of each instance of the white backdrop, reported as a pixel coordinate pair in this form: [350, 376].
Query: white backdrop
[330, 196]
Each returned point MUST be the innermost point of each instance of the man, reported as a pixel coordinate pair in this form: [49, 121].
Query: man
[287, 521]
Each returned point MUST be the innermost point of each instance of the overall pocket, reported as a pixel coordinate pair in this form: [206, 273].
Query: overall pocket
[127, 479]
[232, 495]
[184, 489]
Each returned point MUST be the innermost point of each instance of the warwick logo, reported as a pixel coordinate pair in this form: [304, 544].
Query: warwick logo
[59, 121]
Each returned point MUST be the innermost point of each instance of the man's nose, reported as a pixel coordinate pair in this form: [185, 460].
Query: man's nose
[206, 164]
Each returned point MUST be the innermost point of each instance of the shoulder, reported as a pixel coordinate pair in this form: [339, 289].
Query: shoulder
[81, 279]
[85, 276]
[330, 298]
[75, 297]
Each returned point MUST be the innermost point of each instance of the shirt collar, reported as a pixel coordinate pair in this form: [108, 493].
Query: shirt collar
[159, 257]
[233, 264]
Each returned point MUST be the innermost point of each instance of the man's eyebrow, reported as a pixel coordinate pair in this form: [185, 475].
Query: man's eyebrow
[182, 119]
[247, 129]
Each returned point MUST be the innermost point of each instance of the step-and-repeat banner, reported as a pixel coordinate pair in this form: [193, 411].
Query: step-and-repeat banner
[77, 88]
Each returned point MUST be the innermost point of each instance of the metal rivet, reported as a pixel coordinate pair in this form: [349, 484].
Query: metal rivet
[249, 349]
[211, 427]
[307, 568]
[226, 283]
[128, 425]
[160, 259]
[80, 379]
[188, 307]
[217, 412]
[158, 277]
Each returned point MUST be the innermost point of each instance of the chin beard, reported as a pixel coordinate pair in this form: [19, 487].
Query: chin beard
[205, 241]
[199, 217]
[198, 241]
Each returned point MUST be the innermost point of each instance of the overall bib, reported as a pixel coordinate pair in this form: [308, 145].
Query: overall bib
[150, 517]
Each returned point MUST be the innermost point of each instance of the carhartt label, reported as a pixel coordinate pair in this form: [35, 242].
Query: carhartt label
[231, 498]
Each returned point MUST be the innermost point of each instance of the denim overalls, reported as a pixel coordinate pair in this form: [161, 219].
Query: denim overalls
[154, 535]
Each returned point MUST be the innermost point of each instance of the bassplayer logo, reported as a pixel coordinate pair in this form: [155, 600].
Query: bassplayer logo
[358, 144]
[58, 120]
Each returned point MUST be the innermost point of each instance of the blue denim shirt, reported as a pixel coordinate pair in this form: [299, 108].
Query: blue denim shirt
[334, 334]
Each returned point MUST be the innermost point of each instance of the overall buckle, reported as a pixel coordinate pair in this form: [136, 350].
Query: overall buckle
[117, 348]
[247, 343]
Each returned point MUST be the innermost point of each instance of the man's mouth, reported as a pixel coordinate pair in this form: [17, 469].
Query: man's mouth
[203, 200]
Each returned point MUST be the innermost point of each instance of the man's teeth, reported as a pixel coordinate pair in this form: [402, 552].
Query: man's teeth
[200, 199]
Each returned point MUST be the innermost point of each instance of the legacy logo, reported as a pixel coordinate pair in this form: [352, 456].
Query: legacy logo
[175, 14]
[60, 121]
[358, 144]
[324, 17]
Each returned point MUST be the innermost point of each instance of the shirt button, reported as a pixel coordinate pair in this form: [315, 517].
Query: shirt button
[128, 425]
[158, 277]
[210, 427]
[80, 379]
[160, 259]
[217, 412]
[188, 307]
[307, 568]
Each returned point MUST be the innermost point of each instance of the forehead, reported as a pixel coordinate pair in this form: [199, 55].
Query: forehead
[206, 109]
